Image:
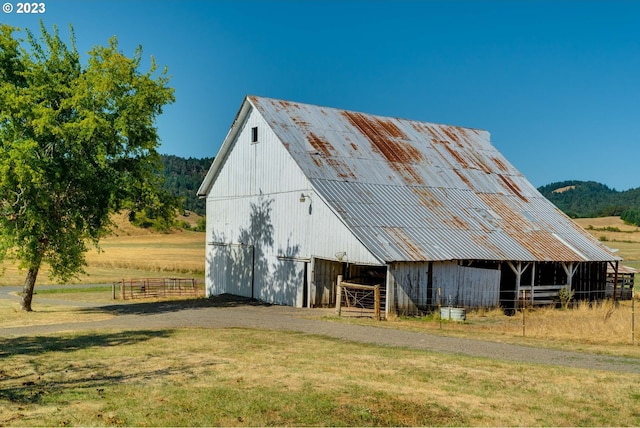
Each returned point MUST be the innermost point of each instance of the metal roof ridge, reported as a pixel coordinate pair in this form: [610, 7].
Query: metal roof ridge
[255, 98]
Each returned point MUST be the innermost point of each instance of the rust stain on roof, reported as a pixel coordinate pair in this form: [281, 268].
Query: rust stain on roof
[512, 186]
[317, 160]
[453, 136]
[537, 241]
[427, 198]
[404, 241]
[461, 161]
[300, 123]
[483, 241]
[341, 168]
[322, 146]
[390, 142]
[326, 152]
[459, 223]
[285, 105]
[481, 165]
[464, 179]
[500, 164]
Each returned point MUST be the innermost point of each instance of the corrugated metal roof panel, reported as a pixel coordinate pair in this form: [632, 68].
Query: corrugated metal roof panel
[420, 191]
[622, 269]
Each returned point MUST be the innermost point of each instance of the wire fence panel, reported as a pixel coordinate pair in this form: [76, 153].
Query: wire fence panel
[158, 287]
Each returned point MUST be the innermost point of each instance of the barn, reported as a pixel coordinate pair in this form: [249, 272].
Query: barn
[299, 194]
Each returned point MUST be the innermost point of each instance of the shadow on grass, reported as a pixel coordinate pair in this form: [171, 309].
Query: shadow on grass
[35, 345]
[152, 308]
[28, 384]
[46, 375]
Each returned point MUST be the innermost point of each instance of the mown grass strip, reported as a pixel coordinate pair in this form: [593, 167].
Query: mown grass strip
[73, 290]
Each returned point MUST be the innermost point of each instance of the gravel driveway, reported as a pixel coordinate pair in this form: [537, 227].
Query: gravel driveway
[228, 311]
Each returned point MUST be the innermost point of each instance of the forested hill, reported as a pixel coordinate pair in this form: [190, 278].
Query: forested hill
[183, 178]
[591, 199]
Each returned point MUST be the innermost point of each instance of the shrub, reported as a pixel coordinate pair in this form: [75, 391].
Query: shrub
[201, 225]
[566, 295]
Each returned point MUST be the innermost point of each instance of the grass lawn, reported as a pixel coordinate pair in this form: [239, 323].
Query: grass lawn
[241, 377]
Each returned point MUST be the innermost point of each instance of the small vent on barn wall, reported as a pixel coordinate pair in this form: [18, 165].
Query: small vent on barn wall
[254, 134]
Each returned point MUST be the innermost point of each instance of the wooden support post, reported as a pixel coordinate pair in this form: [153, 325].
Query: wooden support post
[338, 295]
[311, 285]
[570, 270]
[122, 289]
[376, 304]
[389, 295]
[518, 270]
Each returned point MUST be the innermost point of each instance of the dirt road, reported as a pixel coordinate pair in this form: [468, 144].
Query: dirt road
[226, 312]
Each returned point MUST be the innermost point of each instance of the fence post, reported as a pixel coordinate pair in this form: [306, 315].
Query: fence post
[439, 309]
[338, 295]
[376, 303]
[122, 291]
[633, 316]
[524, 309]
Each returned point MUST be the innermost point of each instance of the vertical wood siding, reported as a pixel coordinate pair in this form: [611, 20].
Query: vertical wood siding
[325, 274]
[415, 287]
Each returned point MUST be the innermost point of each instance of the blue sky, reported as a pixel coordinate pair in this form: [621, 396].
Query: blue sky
[556, 83]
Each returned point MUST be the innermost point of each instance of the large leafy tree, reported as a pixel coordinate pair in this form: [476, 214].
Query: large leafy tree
[77, 142]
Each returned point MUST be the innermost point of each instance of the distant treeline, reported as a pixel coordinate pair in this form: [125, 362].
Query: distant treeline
[580, 199]
[183, 178]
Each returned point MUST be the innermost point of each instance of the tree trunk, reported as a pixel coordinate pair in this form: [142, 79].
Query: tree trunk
[27, 289]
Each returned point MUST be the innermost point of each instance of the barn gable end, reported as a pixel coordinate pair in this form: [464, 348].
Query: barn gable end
[265, 221]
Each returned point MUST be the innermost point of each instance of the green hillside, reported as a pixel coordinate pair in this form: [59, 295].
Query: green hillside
[580, 199]
[183, 178]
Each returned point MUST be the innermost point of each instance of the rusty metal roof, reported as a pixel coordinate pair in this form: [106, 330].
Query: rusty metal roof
[418, 191]
[622, 269]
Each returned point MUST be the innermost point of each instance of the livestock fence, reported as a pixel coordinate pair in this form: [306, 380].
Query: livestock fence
[358, 299]
[156, 287]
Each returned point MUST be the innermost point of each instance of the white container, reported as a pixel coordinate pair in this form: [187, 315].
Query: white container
[453, 314]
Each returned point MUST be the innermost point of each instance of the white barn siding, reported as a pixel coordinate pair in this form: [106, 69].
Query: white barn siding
[230, 265]
[415, 289]
[257, 228]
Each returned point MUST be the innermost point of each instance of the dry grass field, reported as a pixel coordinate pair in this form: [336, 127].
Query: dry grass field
[615, 234]
[132, 252]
